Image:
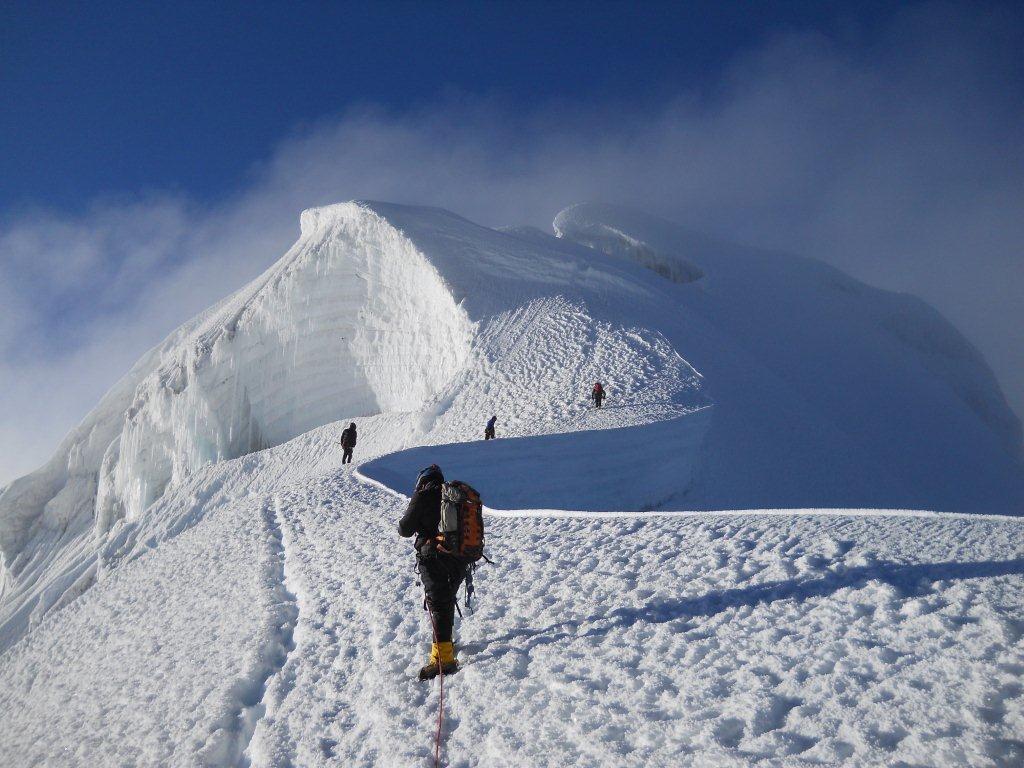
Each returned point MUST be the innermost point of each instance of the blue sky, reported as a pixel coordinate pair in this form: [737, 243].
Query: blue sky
[155, 157]
[106, 98]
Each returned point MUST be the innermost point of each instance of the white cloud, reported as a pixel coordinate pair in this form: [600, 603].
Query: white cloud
[899, 160]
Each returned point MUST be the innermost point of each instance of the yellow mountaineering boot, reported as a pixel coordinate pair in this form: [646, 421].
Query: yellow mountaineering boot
[445, 653]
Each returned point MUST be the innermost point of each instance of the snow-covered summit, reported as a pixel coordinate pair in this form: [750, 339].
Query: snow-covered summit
[352, 320]
[196, 549]
[825, 392]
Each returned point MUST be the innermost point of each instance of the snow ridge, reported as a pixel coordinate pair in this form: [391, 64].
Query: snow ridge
[819, 383]
[235, 606]
[607, 239]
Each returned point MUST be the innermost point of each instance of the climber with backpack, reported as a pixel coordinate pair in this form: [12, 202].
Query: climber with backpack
[598, 394]
[447, 520]
[489, 429]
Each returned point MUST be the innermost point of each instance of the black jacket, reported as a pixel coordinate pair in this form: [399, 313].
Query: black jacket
[348, 438]
[423, 515]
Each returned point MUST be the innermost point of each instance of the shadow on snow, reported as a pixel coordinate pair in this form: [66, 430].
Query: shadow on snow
[910, 580]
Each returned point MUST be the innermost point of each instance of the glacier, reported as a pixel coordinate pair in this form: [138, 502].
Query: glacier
[190, 539]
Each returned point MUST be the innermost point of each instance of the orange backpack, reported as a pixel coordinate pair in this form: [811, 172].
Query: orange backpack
[462, 522]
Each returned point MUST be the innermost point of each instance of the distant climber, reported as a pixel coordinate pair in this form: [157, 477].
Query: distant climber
[447, 521]
[489, 429]
[348, 442]
[598, 394]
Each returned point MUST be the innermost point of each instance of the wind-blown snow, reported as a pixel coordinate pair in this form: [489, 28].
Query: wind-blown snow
[194, 579]
[574, 224]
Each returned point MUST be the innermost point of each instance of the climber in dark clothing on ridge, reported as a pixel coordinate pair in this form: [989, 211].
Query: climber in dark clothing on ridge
[489, 429]
[348, 442]
[441, 574]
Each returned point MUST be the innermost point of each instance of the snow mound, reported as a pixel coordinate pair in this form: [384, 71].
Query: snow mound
[795, 287]
[352, 320]
[603, 471]
[376, 309]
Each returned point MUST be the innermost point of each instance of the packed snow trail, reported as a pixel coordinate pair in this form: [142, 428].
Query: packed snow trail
[737, 639]
[732, 640]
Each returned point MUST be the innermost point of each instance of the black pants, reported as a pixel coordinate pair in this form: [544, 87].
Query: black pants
[488, 434]
[346, 455]
[598, 399]
[441, 576]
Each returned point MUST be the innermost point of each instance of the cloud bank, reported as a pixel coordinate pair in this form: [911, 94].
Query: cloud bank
[899, 159]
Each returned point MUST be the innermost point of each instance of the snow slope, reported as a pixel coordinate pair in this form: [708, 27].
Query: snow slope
[355, 319]
[844, 394]
[606, 470]
[269, 616]
[195, 580]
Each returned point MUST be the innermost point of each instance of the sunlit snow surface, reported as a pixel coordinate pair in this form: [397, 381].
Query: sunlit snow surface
[165, 603]
[279, 617]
